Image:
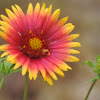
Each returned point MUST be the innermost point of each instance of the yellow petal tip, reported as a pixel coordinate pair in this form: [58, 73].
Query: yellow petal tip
[4, 54]
[7, 10]
[72, 59]
[23, 73]
[78, 45]
[44, 4]
[15, 68]
[66, 18]
[51, 83]
[35, 77]
[30, 3]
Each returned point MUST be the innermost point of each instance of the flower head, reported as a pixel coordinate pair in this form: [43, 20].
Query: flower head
[38, 41]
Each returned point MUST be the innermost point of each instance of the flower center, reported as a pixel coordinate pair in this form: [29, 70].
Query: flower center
[35, 43]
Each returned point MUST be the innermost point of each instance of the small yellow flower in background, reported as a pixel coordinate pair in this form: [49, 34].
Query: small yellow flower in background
[38, 41]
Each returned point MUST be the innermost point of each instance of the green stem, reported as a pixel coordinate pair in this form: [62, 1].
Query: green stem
[26, 86]
[90, 89]
[2, 81]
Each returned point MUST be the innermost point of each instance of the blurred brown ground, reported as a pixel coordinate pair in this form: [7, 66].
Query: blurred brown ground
[85, 15]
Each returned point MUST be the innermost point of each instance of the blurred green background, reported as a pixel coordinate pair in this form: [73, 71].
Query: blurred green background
[85, 15]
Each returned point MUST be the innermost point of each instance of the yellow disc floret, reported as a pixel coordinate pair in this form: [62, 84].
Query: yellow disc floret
[35, 43]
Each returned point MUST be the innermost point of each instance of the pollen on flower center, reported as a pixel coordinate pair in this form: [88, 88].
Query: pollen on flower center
[35, 43]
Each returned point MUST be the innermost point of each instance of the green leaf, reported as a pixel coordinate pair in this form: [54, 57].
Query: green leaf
[98, 58]
[96, 70]
[98, 61]
[1, 59]
[11, 68]
[90, 63]
[3, 67]
[14, 71]
[85, 62]
[1, 64]
[98, 75]
[96, 78]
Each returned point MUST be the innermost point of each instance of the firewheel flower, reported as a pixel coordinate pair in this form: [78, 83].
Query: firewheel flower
[38, 41]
